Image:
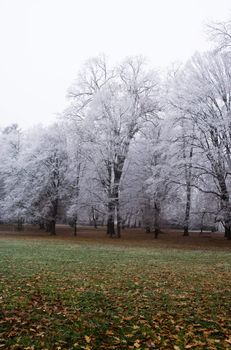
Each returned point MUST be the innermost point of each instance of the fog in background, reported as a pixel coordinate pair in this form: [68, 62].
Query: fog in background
[45, 42]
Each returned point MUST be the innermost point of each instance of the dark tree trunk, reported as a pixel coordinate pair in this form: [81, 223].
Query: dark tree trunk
[75, 228]
[202, 222]
[147, 229]
[228, 232]
[111, 219]
[118, 222]
[225, 206]
[110, 226]
[48, 226]
[157, 219]
[20, 225]
[156, 232]
[41, 226]
[117, 209]
[118, 229]
[54, 216]
[228, 222]
[53, 227]
[148, 216]
[186, 232]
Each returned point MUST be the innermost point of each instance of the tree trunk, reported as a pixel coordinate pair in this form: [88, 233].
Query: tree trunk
[187, 210]
[228, 225]
[94, 218]
[117, 209]
[129, 221]
[202, 222]
[228, 232]
[156, 219]
[41, 226]
[114, 175]
[110, 226]
[188, 176]
[147, 229]
[225, 206]
[118, 167]
[75, 228]
[54, 215]
[53, 227]
[48, 226]
[20, 225]
[118, 221]
[111, 206]
[123, 222]
[110, 220]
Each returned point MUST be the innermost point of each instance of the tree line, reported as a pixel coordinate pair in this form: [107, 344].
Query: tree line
[134, 147]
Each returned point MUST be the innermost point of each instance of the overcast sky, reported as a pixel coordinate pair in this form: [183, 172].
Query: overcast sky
[44, 43]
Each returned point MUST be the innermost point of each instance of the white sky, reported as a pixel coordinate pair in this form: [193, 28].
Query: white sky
[43, 44]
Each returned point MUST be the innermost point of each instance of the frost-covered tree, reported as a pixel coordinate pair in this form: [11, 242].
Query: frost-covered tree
[113, 103]
[76, 175]
[204, 96]
[220, 35]
[44, 166]
[12, 177]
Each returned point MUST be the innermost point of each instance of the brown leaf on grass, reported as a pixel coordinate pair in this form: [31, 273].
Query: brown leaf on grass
[87, 347]
[137, 344]
[87, 338]
[150, 344]
[109, 332]
[176, 347]
[127, 318]
[195, 345]
[228, 340]
[136, 327]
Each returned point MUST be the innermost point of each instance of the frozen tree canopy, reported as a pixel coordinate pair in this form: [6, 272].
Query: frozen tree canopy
[133, 148]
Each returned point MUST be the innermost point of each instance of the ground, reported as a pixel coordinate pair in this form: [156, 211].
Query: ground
[93, 292]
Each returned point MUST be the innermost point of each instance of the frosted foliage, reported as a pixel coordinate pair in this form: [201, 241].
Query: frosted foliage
[133, 148]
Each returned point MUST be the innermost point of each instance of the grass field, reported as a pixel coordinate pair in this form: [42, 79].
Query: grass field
[62, 293]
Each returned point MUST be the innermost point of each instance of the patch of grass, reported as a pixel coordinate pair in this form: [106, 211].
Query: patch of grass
[59, 295]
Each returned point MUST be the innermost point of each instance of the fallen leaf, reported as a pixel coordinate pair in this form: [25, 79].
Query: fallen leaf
[109, 332]
[176, 347]
[137, 344]
[87, 338]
